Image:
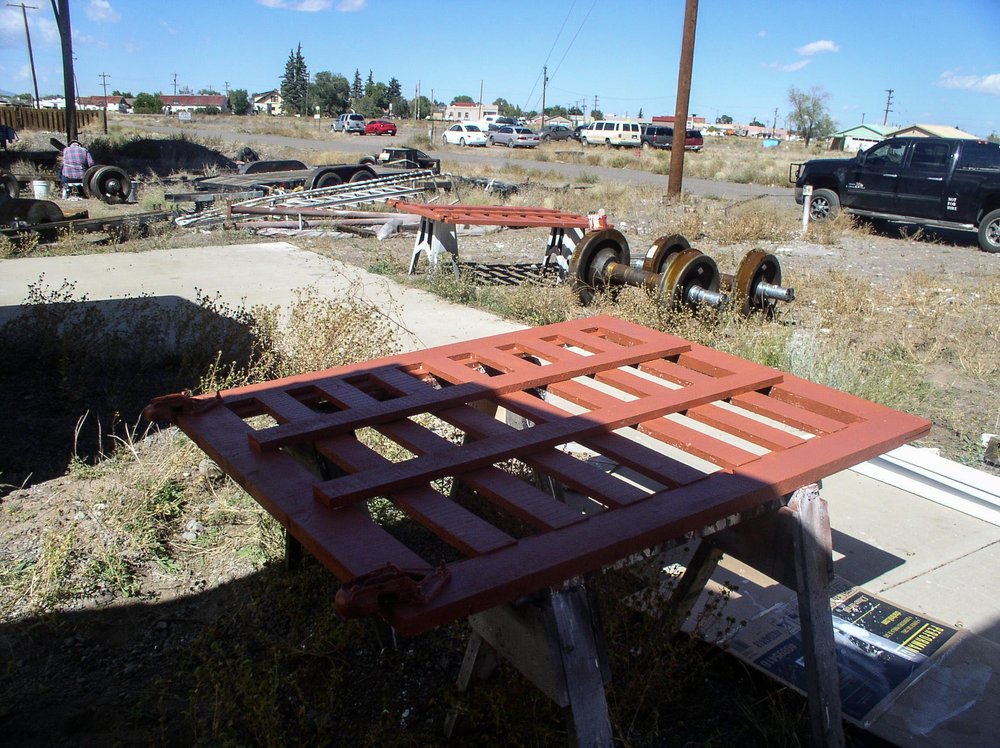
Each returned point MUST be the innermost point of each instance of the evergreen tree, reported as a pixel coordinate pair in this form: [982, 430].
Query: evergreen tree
[295, 83]
[356, 90]
[369, 84]
[395, 90]
[640, 112]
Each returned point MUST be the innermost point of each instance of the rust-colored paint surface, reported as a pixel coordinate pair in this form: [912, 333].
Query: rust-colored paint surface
[698, 436]
[494, 215]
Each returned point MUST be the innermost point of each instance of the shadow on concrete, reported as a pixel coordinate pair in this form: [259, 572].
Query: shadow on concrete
[861, 562]
[75, 373]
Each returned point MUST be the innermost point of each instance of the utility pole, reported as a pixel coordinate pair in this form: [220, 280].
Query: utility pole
[76, 83]
[888, 101]
[774, 124]
[594, 108]
[432, 119]
[683, 96]
[545, 83]
[104, 80]
[175, 84]
[862, 118]
[66, 39]
[480, 99]
[227, 89]
[31, 57]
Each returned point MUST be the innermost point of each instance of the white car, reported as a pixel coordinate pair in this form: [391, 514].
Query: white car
[463, 134]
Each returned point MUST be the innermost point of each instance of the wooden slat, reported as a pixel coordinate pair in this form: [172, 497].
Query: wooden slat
[451, 522]
[347, 490]
[430, 399]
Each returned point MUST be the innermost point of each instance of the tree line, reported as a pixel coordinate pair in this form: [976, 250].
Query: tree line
[330, 94]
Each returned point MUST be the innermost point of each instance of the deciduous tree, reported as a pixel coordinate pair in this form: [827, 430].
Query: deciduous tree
[332, 93]
[809, 116]
[239, 101]
[463, 100]
[145, 103]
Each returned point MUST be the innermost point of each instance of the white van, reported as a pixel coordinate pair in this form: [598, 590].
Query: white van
[616, 134]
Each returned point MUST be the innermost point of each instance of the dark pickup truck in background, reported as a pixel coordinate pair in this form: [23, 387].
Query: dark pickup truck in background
[935, 182]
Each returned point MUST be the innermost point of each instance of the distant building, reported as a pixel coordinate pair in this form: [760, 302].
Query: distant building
[859, 137]
[468, 112]
[173, 103]
[931, 131]
[268, 102]
[694, 122]
[115, 103]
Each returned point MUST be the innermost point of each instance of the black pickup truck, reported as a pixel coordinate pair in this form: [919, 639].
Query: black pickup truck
[936, 182]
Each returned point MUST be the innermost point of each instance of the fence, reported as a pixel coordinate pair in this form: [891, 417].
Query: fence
[50, 120]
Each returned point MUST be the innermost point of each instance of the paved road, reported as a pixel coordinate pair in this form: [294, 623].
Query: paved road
[455, 156]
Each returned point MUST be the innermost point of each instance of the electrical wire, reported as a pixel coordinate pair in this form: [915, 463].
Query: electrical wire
[551, 50]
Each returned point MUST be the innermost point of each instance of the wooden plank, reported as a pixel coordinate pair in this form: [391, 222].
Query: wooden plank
[347, 490]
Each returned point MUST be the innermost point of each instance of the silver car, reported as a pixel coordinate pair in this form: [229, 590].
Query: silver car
[513, 137]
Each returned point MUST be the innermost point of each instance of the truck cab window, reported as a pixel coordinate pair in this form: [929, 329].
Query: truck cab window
[930, 156]
[887, 154]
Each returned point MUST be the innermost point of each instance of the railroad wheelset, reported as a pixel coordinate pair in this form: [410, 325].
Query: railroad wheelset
[677, 274]
[688, 277]
[107, 183]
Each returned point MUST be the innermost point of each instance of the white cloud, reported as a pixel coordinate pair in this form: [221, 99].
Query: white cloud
[312, 6]
[43, 30]
[168, 28]
[101, 11]
[814, 48]
[989, 84]
[350, 6]
[762, 33]
[80, 39]
[790, 67]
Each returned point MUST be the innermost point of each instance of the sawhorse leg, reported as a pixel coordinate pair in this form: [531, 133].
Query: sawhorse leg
[793, 546]
[555, 641]
[435, 237]
[559, 250]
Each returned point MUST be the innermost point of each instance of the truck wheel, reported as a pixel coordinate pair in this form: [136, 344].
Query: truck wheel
[989, 232]
[825, 205]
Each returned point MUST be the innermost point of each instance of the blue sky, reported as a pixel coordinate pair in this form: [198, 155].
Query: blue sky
[941, 59]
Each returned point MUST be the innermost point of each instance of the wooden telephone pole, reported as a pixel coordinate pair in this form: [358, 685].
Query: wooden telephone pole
[61, 10]
[27, 35]
[683, 96]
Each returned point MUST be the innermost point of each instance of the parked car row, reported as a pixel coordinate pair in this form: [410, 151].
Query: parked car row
[356, 123]
[662, 136]
[600, 132]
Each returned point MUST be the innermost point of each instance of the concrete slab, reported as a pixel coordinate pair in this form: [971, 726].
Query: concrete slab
[248, 274]
[915, 552]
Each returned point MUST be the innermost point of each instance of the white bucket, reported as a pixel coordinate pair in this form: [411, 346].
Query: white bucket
[41, 189]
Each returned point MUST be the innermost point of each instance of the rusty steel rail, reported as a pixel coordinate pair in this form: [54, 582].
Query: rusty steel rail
[703, 434]
[494, 215]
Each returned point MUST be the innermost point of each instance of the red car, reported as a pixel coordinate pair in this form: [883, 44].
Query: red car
[380, 127]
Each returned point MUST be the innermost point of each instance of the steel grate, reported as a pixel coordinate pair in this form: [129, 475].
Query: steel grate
[699, 434]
